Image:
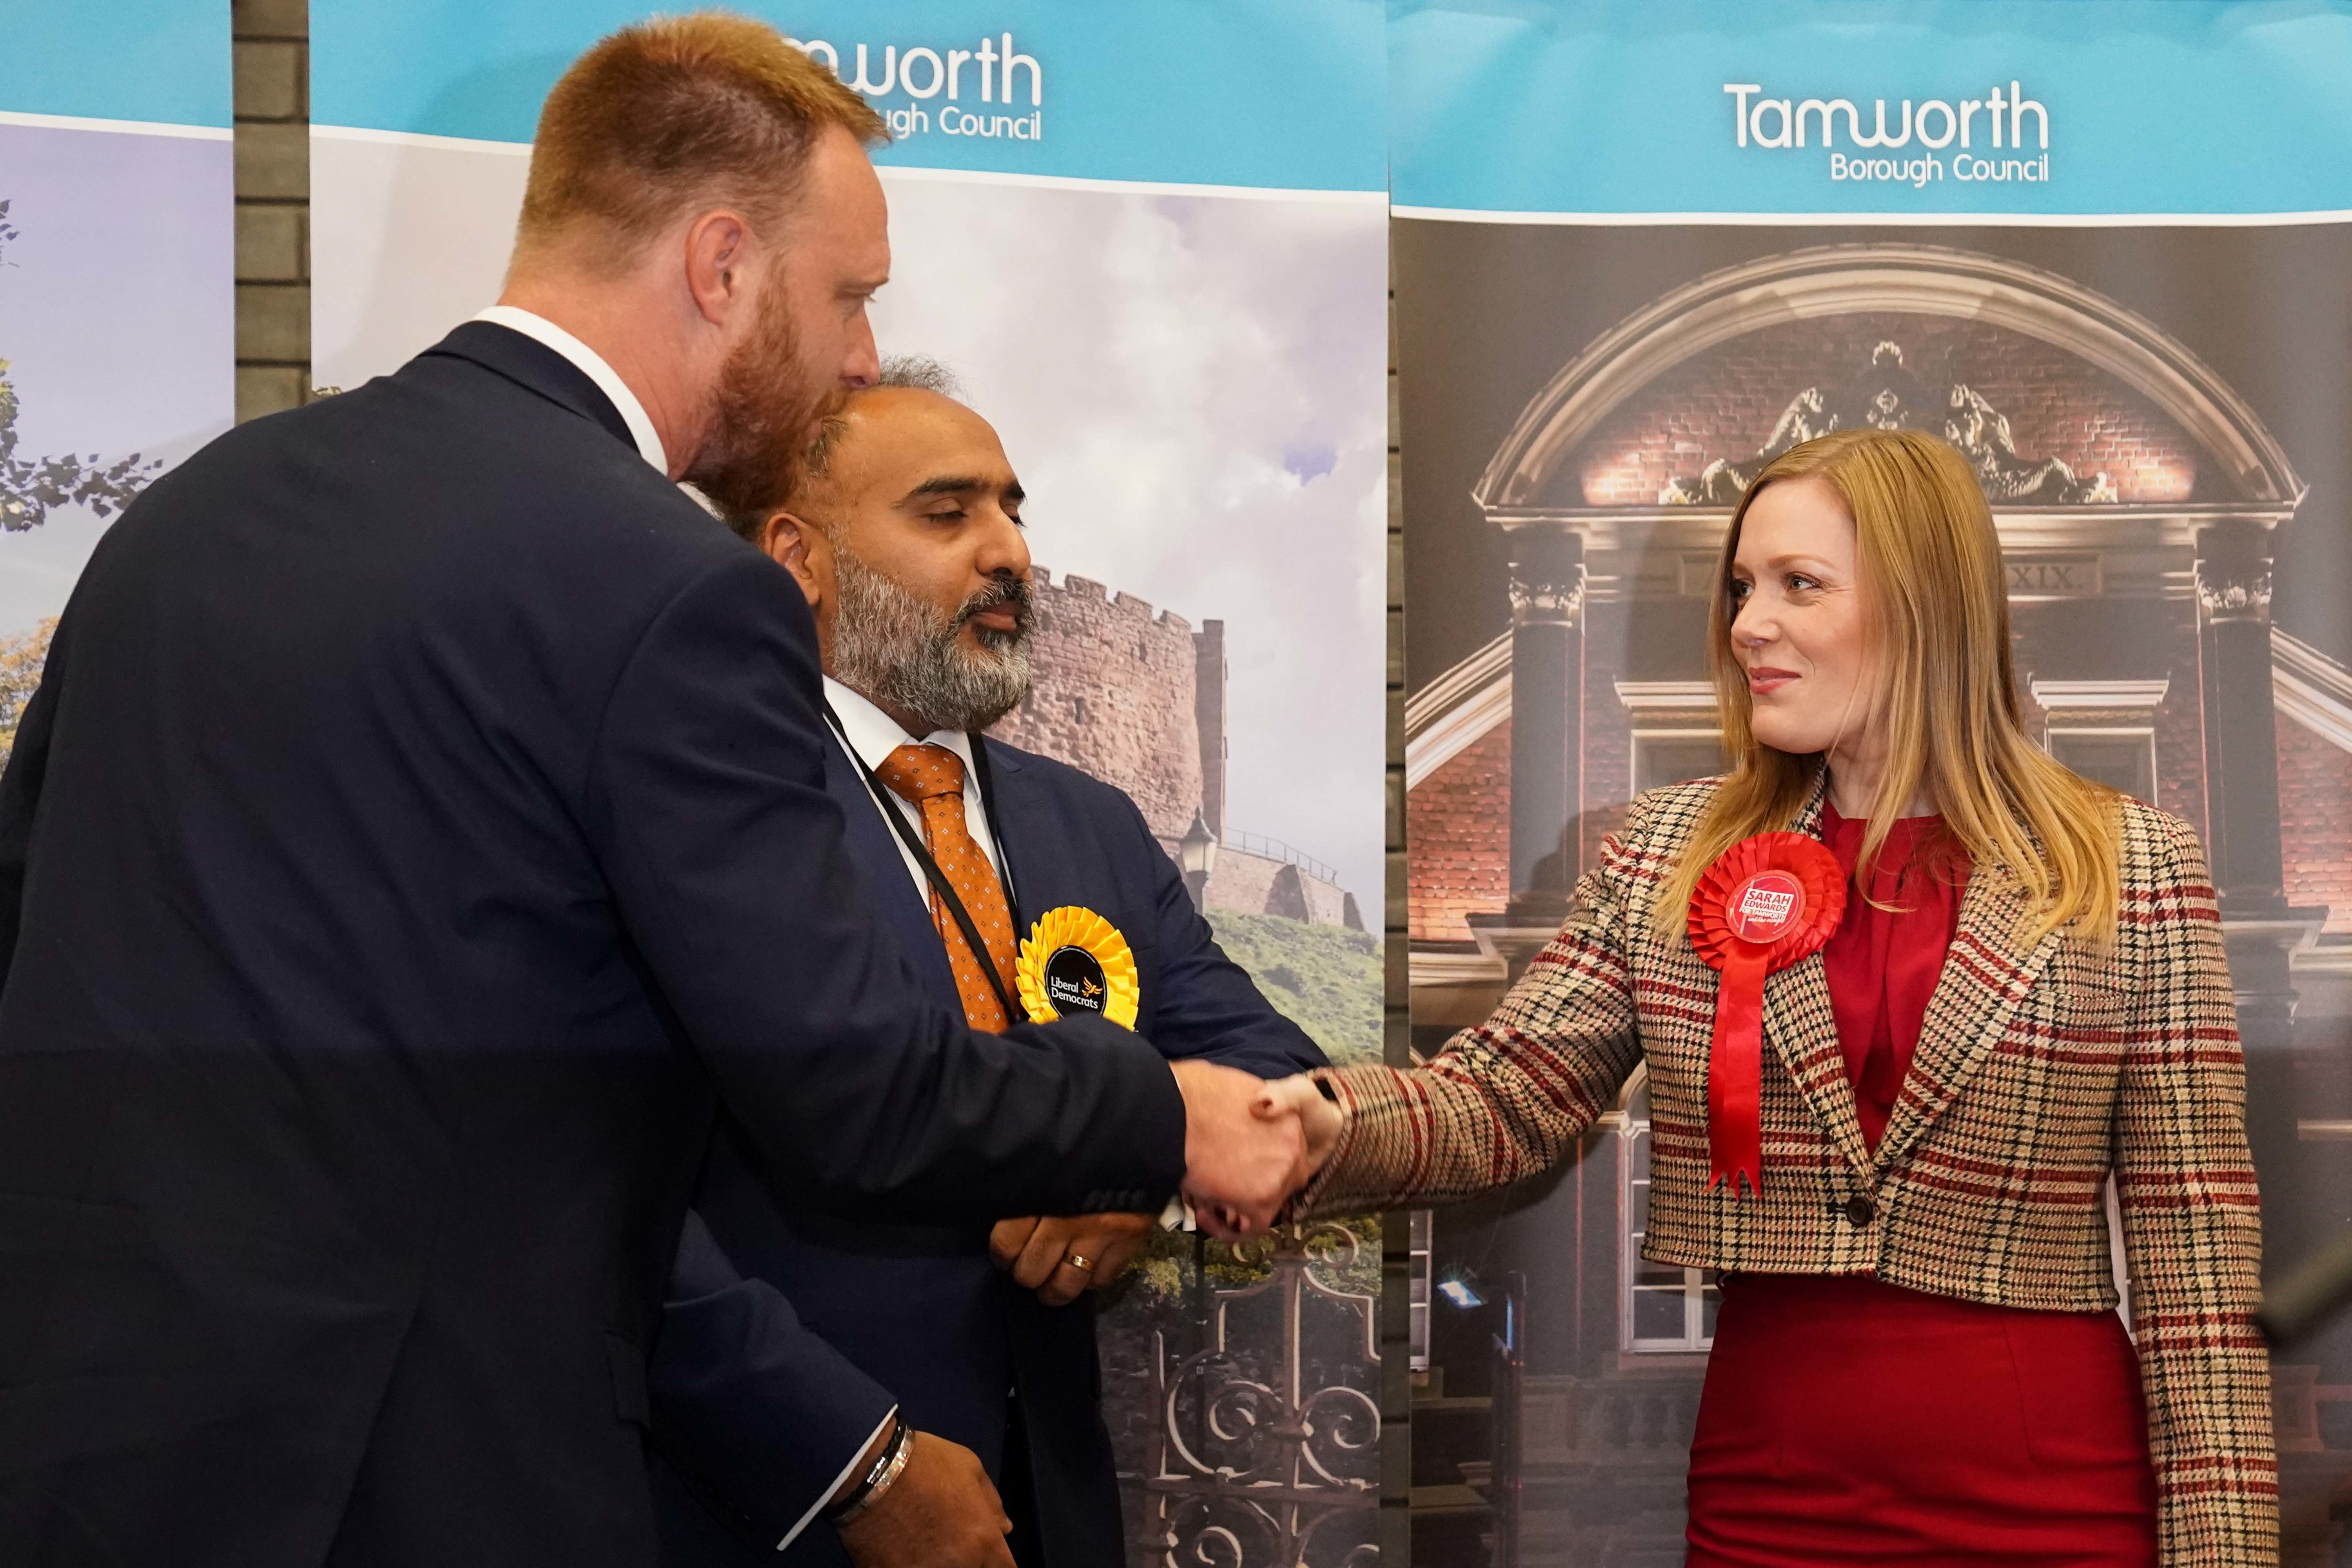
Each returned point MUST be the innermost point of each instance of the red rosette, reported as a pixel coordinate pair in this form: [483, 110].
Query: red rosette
[1768, 901]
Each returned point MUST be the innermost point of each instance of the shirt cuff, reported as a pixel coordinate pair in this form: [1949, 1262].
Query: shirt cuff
[832, 1490]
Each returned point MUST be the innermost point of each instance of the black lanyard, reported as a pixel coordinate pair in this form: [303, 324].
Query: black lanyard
[887, 800]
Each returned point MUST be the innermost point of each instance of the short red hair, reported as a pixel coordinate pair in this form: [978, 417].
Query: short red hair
[675, 114]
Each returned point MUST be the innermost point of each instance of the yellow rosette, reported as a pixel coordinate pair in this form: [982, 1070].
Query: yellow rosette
[1073, 960]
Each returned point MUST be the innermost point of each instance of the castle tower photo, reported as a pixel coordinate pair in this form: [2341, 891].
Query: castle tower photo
[1138, 699]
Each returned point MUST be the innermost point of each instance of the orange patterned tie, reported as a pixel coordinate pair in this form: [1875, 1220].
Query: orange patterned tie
[931, 779]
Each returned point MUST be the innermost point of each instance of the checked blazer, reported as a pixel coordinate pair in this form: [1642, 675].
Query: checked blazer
[2042, 1067]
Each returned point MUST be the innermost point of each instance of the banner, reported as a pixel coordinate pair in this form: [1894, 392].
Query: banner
[117, 297]
[1152, 243]
[2099, 247]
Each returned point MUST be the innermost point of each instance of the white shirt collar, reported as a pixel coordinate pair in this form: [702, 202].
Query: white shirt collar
[873, 734]
[591, 365]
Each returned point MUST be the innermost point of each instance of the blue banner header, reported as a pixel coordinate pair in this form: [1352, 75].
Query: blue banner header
[165, 62]
[2020, 108]
[1283, 96]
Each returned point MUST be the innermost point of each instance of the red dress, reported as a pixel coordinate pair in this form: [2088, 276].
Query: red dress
[1848, 1422]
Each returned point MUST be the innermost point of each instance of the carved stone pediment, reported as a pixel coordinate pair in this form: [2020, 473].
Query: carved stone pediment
[1886, 395]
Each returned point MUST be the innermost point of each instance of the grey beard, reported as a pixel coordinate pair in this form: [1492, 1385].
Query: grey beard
[903, 654]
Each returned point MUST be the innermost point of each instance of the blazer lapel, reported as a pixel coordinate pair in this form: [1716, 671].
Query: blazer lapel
[1803, 1027]
[874, 849]
[1987, 974]
[1039, 861]
[1055, 859]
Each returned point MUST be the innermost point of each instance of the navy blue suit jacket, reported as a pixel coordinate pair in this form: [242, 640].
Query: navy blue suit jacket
[788, 1338]
[420, 827]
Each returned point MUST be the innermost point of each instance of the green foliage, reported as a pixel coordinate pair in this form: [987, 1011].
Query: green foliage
[31, 487]
[1326, 979]
[21, 658]
[1162, 1277]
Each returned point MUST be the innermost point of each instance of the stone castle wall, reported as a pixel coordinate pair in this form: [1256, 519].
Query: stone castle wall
[1112, 694]
[1135, 699]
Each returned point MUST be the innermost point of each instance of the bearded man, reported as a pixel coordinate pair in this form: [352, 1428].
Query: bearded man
[420, 827]
[792, 1335]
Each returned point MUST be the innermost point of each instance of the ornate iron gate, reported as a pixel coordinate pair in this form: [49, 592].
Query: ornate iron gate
[1249, 1466]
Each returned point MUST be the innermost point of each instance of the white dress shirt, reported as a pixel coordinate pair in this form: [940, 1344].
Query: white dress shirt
[591, 365]
[873, 736]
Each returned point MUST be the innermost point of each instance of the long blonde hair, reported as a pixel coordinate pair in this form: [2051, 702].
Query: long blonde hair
[1937, 606]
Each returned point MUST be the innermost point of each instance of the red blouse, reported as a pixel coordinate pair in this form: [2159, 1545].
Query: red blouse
[1883, 963]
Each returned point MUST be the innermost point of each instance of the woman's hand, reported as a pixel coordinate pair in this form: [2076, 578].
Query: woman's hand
[1319, 1117]
[1320, 1121]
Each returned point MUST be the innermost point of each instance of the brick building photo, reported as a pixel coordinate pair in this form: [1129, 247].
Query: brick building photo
[2147, 513]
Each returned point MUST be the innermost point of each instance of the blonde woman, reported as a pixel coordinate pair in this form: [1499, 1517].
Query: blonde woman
[1918, 1358]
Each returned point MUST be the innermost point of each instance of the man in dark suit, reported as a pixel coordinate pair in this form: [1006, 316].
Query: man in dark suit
[791, 1334]
[421, 827]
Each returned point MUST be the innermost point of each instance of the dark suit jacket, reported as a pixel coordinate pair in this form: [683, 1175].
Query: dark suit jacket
[763, 1387]
[420, 827]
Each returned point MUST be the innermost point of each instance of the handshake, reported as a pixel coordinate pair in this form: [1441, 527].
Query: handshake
[1250, 1144]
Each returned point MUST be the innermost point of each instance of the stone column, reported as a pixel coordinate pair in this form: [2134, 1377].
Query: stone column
[1547, 711]
[2234, 601]
[2258, 930]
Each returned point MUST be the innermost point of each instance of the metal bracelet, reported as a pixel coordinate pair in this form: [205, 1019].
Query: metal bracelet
[880, 1479]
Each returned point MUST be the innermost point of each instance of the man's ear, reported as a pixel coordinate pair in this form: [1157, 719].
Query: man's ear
[796, 545]
[717, 252]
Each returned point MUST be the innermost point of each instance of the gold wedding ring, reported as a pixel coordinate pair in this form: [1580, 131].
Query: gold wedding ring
[1080, 1261]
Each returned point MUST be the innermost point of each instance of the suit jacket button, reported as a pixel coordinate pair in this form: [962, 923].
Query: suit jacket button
[1860, 1211]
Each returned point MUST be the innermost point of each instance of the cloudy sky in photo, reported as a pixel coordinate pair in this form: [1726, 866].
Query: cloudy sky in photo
[1193, 391]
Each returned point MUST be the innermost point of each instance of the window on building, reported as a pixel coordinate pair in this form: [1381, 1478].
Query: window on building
[2123, 760]
[1418, 1276]
[1666, 1308]
[1671, 756]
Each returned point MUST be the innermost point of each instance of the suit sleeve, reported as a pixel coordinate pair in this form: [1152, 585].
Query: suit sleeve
[706, 808]
[750, 1404]
[1208, 1005]
[1508, 1098]
[2192, 1222]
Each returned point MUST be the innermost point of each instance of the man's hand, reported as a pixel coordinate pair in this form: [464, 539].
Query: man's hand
[942, 1512]
[1038, 1252]
[1240, 1164]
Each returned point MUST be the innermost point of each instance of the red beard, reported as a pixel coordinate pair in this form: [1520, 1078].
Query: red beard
[764, 414]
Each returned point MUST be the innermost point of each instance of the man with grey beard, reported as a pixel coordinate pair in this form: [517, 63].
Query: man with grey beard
[791, 1336]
